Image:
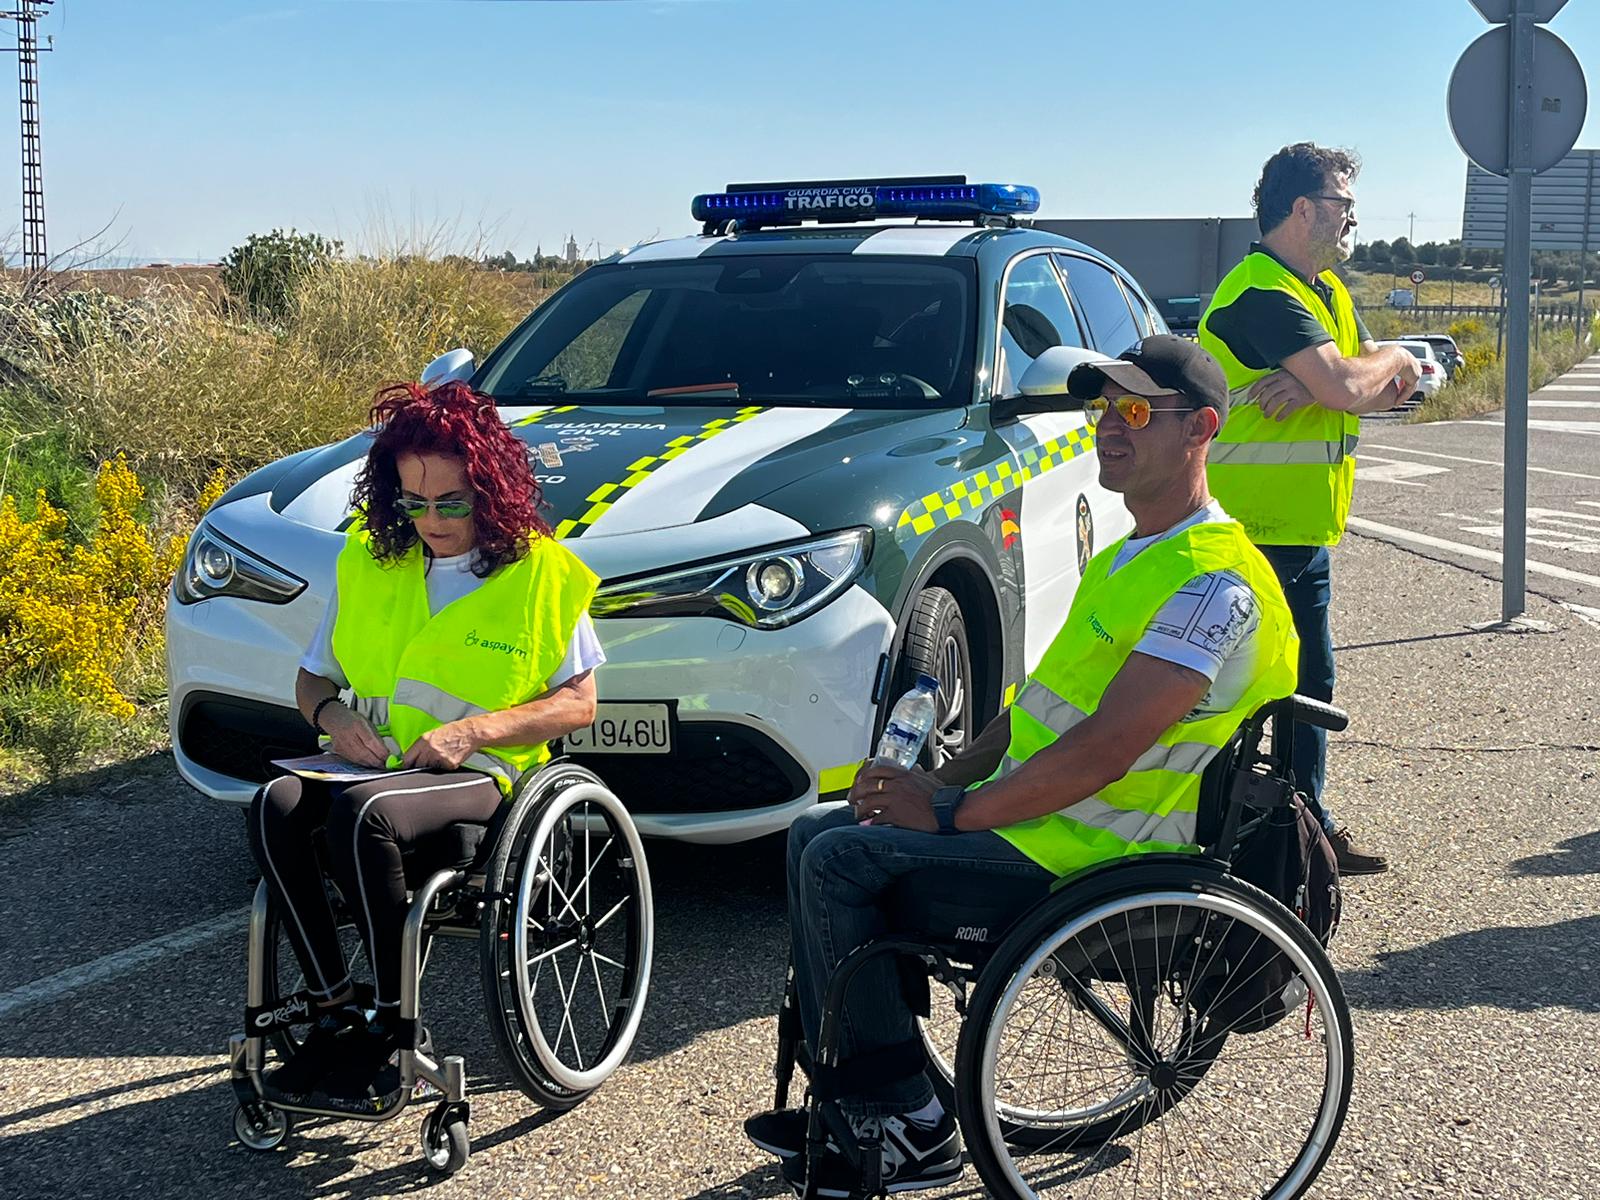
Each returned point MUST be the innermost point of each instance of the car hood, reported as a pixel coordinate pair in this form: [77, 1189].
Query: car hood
[612, 472]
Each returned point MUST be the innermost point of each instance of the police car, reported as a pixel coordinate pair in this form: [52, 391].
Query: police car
[817, 449]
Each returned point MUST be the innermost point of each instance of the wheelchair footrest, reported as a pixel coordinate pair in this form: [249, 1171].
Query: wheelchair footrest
[865, 1072]
[298, 1009]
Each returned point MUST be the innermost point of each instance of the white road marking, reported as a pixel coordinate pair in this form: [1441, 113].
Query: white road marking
[73, 979]
[1567, 403]
[1585, 613]
[1393, 471]
[1580, 545]
[1587, 428]
[1483, 462]
[1428, 541]
[1546, 513]
[1558, 386]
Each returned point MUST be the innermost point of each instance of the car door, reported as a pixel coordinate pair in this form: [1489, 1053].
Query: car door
[1056, 508]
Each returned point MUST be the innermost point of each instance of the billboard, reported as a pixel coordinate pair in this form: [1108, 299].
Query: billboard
[1566, 206]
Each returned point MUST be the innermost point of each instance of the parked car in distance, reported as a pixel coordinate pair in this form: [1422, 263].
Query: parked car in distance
[1444, 349]
[1401, 298]
[1432, 377]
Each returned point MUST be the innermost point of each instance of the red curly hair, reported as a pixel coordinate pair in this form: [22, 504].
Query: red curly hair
[450, 419]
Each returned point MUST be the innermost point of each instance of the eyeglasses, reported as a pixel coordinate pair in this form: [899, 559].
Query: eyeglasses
[451, 510]
[1347, 201]
[1134, 410]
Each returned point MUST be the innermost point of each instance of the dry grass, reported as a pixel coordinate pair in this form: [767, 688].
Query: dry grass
[168, 376]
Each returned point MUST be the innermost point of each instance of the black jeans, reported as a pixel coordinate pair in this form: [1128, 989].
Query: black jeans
[367, 826]
[1305, 575]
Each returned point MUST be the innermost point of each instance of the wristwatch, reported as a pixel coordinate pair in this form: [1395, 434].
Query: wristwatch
[944, 803]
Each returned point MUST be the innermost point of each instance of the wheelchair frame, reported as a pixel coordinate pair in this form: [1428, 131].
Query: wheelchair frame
[1239, 776]
[440, 906]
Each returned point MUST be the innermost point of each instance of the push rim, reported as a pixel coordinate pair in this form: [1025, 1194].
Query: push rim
[583, 885]
[1184, 1136]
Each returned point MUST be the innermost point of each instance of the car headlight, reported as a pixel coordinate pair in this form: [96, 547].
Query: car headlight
[215, 566]
[765, 589]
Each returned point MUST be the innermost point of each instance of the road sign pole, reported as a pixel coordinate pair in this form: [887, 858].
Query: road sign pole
[1518, 268]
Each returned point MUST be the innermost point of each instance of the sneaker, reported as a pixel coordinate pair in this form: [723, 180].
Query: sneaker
[368, 1079]
[780, 1131]
[1352, 861]
[914, 1157]
[334, 1033]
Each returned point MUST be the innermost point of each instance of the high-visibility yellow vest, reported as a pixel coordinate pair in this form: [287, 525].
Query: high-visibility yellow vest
[1154, 806]
[1287, 482]
[492, 649]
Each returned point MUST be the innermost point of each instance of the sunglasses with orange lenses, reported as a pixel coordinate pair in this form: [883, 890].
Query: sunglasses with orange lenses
[1134, 410]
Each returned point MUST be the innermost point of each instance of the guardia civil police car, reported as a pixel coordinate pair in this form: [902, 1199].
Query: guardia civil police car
[813, 451]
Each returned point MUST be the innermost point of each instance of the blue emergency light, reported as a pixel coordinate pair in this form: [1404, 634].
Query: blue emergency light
[935, 198]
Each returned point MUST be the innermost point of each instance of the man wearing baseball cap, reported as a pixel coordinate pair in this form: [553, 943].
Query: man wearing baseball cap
[1175, 636]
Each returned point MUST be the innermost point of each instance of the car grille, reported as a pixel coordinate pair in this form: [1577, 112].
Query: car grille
[714, 767]
[240, 738]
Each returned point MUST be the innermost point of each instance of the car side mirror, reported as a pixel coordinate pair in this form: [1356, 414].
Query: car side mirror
[1043, 387]
[452, 364]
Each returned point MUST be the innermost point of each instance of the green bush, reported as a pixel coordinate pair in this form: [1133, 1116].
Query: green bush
[263, 274]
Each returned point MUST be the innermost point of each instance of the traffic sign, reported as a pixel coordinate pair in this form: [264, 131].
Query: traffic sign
[1498, 12]
[1417, 277]
[1480, 97]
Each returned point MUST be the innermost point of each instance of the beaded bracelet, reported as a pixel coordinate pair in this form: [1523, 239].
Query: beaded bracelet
[316, 714]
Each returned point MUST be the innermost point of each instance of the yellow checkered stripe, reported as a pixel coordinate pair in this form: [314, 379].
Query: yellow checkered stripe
[535, 418]
[973, 492]
[603, 497]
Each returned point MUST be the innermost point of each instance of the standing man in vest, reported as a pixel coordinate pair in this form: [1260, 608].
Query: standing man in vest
[1177, 633]
[1301, 370]
[457, 643]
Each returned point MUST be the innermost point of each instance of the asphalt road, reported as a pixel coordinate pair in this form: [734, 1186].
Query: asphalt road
[1470, 968]
[1439, 488]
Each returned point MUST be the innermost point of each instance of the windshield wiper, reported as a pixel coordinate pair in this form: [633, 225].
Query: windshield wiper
[727, 390]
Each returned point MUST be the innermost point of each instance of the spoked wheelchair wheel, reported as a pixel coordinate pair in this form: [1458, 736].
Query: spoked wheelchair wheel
[1102, 1028]
[568, 933]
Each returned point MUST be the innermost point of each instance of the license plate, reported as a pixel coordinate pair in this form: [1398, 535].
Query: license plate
[624, 729]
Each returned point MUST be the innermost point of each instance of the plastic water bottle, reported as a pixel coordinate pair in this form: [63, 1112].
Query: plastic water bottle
[908, 726]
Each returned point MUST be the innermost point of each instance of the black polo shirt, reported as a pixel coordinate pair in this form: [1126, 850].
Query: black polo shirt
[1264, 326]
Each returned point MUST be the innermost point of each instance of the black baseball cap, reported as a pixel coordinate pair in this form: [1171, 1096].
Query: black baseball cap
[1162, 365]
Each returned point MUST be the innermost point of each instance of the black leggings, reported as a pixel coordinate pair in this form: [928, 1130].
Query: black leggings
[367, 826]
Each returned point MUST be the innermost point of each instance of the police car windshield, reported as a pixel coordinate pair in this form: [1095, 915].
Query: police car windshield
[779, 329]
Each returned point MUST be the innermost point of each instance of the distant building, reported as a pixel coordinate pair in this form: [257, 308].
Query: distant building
[571, 254]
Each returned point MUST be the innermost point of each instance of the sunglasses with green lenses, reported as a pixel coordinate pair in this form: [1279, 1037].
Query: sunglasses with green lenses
[412, 507]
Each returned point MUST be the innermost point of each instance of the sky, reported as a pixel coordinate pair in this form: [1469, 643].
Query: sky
[173, 129]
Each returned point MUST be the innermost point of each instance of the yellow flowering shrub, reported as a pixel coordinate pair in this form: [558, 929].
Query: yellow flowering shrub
[74, 612]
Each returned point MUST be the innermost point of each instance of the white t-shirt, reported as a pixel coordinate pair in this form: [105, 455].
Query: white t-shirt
[1209, 625]
[449, 579]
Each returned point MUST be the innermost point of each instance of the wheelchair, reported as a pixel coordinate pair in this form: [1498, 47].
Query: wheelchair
[559, 872]
[1109, 1042]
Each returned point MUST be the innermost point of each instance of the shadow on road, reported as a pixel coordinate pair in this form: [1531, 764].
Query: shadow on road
[1520, 968]
[1576, 856]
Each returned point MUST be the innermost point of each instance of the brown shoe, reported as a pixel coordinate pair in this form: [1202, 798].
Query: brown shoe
[1352, 861]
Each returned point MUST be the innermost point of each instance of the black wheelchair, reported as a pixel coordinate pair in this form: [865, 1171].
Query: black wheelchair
[556, 880]
[1114, 1040]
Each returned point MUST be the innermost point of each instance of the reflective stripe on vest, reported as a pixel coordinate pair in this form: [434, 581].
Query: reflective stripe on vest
[1154, 805]
[1287, 482]
[490, 650]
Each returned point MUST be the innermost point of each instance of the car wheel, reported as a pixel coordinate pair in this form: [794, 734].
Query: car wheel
[936, 644]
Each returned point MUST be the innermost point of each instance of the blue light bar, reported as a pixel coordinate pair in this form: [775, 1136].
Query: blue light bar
[949, 198]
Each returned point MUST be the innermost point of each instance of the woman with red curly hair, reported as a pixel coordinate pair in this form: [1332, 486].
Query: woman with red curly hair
[456, 644]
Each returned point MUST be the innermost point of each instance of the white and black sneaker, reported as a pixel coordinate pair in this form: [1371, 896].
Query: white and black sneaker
[780, 1131]
[915, 1156]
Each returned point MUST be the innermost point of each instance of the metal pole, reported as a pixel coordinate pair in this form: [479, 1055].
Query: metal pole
[1519, 203]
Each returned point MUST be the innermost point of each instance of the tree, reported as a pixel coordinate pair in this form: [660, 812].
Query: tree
[1401, 252]
[1428, 253]
[1450, 254]
[262, 274]
[1360, 254]
[1378, 251]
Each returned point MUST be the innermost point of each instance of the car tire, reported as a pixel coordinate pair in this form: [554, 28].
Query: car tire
[936, 644]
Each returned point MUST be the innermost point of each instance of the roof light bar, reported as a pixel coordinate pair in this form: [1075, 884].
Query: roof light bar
[936, 198]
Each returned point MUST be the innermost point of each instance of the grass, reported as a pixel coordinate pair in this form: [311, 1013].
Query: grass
[163, 370]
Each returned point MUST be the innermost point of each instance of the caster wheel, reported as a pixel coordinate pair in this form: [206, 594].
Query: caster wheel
[444, 1140]
[259, 1127]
